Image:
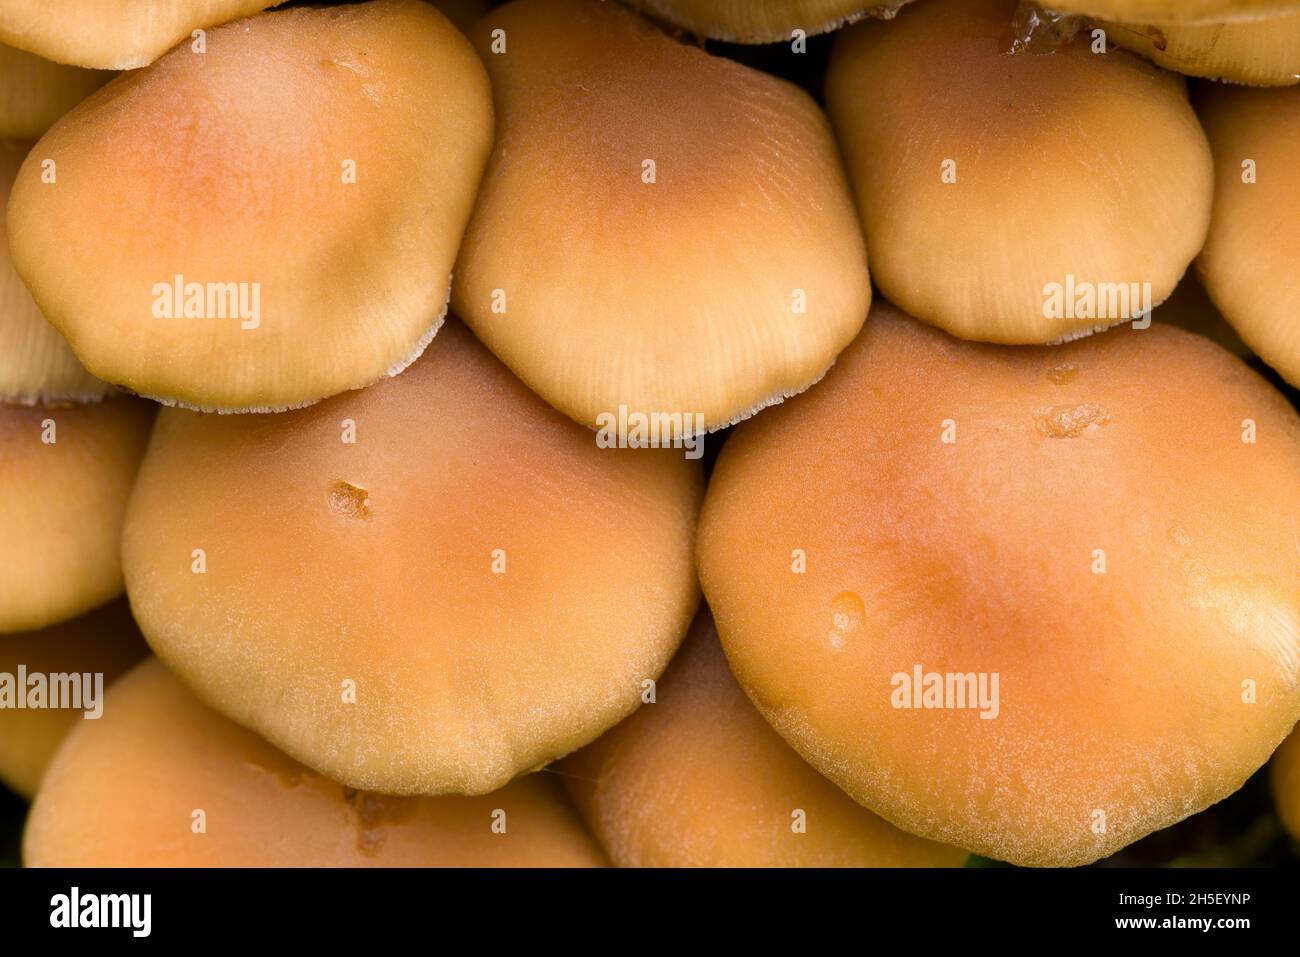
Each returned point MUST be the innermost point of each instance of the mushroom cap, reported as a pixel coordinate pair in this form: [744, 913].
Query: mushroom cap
[62, 504]
[1285, 776]
[227, 175]
[104, 641]
[1121, 705]
[699, 779]
[766, 21]
[1175, 11]
[1070, 167]
[34, 92]
[463, 13]
[495, 586]
[1190, 308]
[36, 363]
[1251, 262]
[125, 791]
[1262, 52]
[113, 34]
[681, 295]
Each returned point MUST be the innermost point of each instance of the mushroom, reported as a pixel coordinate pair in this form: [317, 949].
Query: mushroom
[162, 781]
[267, 223]
[1190, 308]
[1001, 192]
[63, 489]
[36, 363]
[72, 661]
[699, 779]
[463, 13]
[429, 586]
[1262, 52]
[1285, 777]
[114, 34]
[1042, 601]
[767, 21]
[1251, 261]
[1175, 11]
[35, 92]
[660, 232]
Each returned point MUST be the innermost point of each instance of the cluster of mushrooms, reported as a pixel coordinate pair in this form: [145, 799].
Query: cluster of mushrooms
[329, 336]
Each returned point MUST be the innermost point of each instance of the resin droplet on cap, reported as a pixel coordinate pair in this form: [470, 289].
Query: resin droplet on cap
[269, 222]
[698, 779]
[1078, 579]
[428, 586]
[162, 781]
[660, 231]
[1019, 198]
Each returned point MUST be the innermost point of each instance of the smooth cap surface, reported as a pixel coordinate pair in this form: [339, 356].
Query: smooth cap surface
[162, 781]
[660, 231]
[428, 586]
[1035, 602]
[266, 223]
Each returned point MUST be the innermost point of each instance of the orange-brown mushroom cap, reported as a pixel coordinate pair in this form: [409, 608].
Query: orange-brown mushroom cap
[697, 778]
[659, 230]
[1251, 262]
[97, 647]
[1035, 602]
[113, 34]
[428, 586]
[162, 781]
[266, 223]
[65, 474]
[1016, 197]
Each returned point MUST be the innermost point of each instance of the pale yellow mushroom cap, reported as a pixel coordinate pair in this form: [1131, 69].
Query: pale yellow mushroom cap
[95, 648]
[765, 21]
[1251, 261]
[36, 362]
[996, 187]
[1175, 11]
[34, 92]
[1034, 602]
[162, 781]
[113, 34]
[428, 586]
[659, 229]
[698, 779]
[266, 223]
[65, 474]
[1263, 52]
